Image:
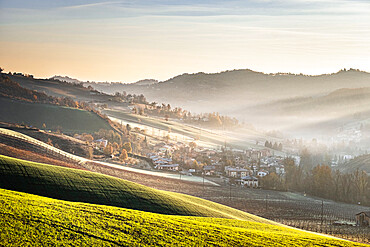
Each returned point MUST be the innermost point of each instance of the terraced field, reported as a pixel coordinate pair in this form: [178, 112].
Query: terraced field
[27, 219]
[83, 186]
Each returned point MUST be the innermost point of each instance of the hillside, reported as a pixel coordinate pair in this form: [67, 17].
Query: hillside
[83, 186]
[69, 120]
[361, 162]
[27, 218]
[267, 101]
[245, 86]
[355, 100]
[58, 88]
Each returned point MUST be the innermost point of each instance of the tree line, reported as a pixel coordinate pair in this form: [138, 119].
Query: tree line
[323, 182]
[275, 146]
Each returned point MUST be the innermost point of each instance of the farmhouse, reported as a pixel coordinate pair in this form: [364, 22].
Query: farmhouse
[236, 172]
[174, 167]
[209, 170]
[249, 181]
[363, 219]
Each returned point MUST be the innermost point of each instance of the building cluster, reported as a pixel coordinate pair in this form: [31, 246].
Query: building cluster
[162, 156]
[243, 168]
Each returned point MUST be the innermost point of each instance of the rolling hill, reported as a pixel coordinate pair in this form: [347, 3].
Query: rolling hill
[70, 120]
[83, 186]
[220, 91]
[34, 220]
[59, 89]
[294, 104]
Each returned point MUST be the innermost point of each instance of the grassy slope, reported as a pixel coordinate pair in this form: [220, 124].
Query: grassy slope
[190, 131]
[83, 186]
[33, 220]
[71, 120]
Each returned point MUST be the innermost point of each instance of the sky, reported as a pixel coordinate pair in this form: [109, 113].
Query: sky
[132, 40]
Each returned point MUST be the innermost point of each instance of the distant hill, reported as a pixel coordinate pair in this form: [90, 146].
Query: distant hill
[240, 87]
[60, 89]
[297, 105]
[294, 104]
[65, 79]
[146, 82]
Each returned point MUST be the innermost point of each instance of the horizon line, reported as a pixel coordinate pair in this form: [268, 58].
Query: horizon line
[194, 73]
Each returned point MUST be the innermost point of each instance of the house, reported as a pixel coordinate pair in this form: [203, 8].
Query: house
[249, 181]
[101, 143]
[173, 167]
[280, 170]
[363, 219]
[191, 171]
[236, 172]
[209, 170]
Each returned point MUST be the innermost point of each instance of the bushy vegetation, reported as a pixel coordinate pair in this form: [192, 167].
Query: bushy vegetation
[76, 185]
[33, 220]
[322, 181]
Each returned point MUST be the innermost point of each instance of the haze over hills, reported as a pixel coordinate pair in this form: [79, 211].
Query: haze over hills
[249, 85]
[300, 105]
[255, 97]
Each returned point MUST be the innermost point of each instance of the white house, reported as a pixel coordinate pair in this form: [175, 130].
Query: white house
[236, 172]
[173, 167]
[249, 181]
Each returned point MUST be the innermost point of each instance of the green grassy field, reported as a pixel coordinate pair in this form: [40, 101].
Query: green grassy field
[29, 220]
[83, 186]
[71, 120]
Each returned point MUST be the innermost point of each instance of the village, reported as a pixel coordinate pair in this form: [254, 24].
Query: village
[244, 168]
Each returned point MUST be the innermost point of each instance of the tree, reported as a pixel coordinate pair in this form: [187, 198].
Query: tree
[128, 127]
[88, 138]
[44, 126]
[360, 185]
[108, 150]
[49, 142]
[127, 146]
[293, 175]
[271, 181]
[321, 181]
[90, 153]
[115, 146]
[280, 147]
[306, 160]
[192, 145]
[123, 155]
[275, 146]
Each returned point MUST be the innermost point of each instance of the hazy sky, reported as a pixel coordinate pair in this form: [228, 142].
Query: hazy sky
[131, 40]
